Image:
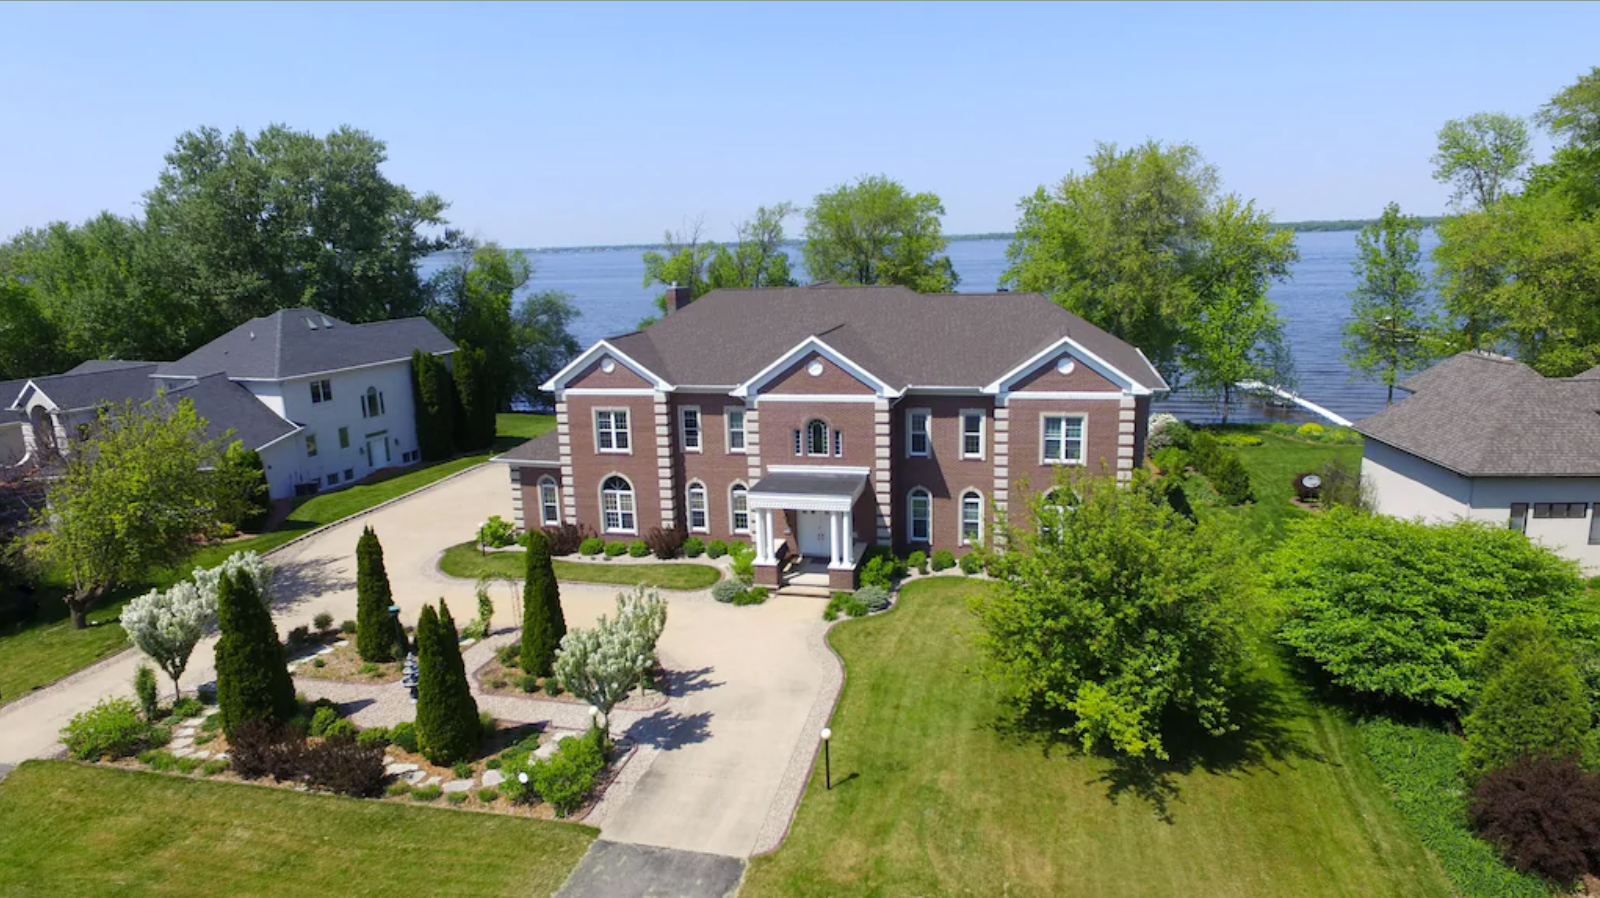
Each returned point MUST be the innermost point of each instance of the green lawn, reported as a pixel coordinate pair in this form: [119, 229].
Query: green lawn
[466, 562]
[1273, 466]
[47, 648]
[936, 793]
[66, 829]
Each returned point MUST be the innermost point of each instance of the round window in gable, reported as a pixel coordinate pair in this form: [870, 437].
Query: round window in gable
[815, 368]
[608, 365]
[1066, 364]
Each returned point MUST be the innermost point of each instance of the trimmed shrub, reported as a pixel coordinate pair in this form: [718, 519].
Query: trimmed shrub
[844, 603]
[322, 622]
[488, 794]
[744, 562]
[528, 683]
[348, 627]
[552, 687]
[874, 598]
[726, 591]
[943, 560]
[568, 776]
[325, 717]
[187, 707]
[1532, 705]
[1310, 429]
[262, 748]
[397, 790]
[1166, 430]
[447, 715]
[543, 622]
[1230, 479]
[638, 549]
[252, 681]
[373, 737]
[1543, 815]
[344, 766]
[878, 571]
[614, 550]
[694, 547]
[1204, 450]
[918, 560]
[593, 545]
[298, 636]
[341, 729]
[111, 728]
[1239, 440]
[566, 539]
[427, 793]
[145, 688]
[375, 637]
[663, 542]
[754, 595]
[497, 533]
[971, 563]
[404, 735]
[1172, 461]
[716, 548]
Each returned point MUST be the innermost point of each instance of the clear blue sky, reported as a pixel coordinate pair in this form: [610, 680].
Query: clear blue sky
[549, 125]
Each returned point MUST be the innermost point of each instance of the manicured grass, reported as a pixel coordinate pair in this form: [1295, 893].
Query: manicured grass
[47, 648]
[1273, 466]
[66, 829]
[466, 562]
[937, 793]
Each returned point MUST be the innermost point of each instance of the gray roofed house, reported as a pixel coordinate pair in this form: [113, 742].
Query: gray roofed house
[1485, 437]
[13, 445]
[300, 342]
[228, 407]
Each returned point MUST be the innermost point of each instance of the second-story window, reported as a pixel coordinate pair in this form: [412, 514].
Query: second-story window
[371, 403]
[321, 391]
[1063, 440]
[816, 438]
[972, 434]
[689, 421]
[736, 430]
[919, 441]
[611, 430]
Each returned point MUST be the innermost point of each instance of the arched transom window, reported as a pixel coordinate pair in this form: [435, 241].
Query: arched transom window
[816, 437]
[971, 518]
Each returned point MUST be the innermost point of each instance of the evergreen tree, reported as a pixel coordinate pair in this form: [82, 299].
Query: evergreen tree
[434, 394]
[375, 639]
[447, 715]
[543, 623]
[475, 403]
[252, 681]
[1532, 703]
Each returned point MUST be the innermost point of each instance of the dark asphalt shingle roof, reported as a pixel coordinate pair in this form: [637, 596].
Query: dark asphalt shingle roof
[9, 391]
[811, 483]
[1485, 415]
[227, 406]
[295, 342]
[909, 339]
[93, 383]
[543, 449]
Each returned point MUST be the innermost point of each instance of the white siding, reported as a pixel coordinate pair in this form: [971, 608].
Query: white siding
[395, 428]
[1404, 486]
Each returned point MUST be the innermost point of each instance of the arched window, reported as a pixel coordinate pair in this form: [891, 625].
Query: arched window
[699, 519]
[1057, 504]
[971, 518]
[739, 508]
[920, 516]
[816, 437]
[371, 403]
[549, 502]
[616, 505]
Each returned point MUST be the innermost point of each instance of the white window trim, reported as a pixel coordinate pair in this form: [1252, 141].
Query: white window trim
[962, 517]
[631, 492]
[688, 506]
[911, 415]
[827, 438]
[311, 445]
[549, 481]
[594, 418]
[983, 433]
[727, 430]
[732, 518]
[1083, 439]
[683, 429]
[911, 517]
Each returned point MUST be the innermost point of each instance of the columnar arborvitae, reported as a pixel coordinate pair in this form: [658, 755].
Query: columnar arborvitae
[375, 639]
[447, 715]
[434, 393]
[252, 681]
[475, 405]
[543, 623]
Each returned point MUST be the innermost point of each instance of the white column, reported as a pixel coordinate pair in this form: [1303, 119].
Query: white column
[849, 540]
[833, 539]
[756, 520]
[768, 534]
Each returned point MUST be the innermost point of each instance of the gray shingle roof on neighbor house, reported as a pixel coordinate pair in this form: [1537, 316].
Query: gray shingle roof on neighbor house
[1485, 415]
[542, 450]
[908, 339]
[93, 383]
[9, 391]
[297, 342]
[227, 406]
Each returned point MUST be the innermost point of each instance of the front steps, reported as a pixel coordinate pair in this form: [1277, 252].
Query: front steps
[809, 584]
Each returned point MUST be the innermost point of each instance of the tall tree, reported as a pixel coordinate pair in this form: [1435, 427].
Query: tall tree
[876, 232]
[252, 680]
[374, 625]
[1573, 119]
[129, 500]
[447, 715]
[545, 319]
[475, 403]
[681, 262]
[543, 622]
[433, 392]
[756, 258]
[1482, 156]
[30, 344]
[1387, 334]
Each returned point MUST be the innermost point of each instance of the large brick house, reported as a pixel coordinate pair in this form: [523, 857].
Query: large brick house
[817, 421]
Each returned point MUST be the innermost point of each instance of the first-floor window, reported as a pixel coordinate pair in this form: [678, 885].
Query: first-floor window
[616, 505]
[971, 518]
[739, 503]
[549, 502]
[311, 445]
[697, 508]
[1519, 519]
[1063, 440]
[1594, 530]
[1560, 509]
[735, 430]
[921, 516]
[344, 438]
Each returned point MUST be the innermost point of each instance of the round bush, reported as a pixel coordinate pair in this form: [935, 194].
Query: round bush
[341, 729]
[971, 563]
[1311, 430]
[638, 549]
[404, 734]
[1544, 815]
[373, 737]
[726, 591]
[875, 598]
[615, 549]
[325, 717]
[594, 545]
[113, 727]
[716, 548]
[694, 547]
[943, 560]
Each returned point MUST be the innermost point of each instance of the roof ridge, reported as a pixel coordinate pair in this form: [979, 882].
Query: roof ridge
[100, 373]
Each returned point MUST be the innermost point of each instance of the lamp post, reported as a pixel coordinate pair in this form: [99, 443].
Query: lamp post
[827, 759]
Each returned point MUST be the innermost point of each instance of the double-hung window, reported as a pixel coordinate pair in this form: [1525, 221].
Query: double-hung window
[321, 391]
[919, 439]
[736, 430]
[698, 520]
[344, 438]
[971, 518]
[611, 430]
[739, 508]
[1062, 440]
[549, 502]
[689, 426]
[371, 403]
[616, 506]
[311, 445]
[972, 434]
[920, 508]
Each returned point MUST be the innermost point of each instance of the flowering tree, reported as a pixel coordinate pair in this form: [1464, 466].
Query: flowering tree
[601, 665]
[168, 625]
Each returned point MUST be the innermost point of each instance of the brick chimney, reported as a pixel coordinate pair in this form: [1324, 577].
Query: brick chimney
[677, 298]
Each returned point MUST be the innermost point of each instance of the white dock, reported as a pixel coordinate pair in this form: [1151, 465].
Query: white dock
[1256, 386]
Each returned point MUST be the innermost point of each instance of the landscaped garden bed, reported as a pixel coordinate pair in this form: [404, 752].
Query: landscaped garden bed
[502, 674]
[340, 661]
[467, 562]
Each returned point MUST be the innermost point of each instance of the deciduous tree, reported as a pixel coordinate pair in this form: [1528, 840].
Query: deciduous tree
[1482, 156]
[874, 231]
[602, 665]
[1387, 334]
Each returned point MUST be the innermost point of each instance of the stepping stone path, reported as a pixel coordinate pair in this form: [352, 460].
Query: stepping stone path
[398, 769]
[493, 778]
[432, 781]
[341, 643]
[415, 777]
[458, 785]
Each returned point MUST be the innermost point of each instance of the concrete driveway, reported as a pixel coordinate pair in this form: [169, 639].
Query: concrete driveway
[720, 766]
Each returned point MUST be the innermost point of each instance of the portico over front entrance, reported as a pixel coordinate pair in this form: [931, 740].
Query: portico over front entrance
[817, 506]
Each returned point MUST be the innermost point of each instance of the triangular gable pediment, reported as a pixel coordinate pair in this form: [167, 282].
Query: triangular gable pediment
[813, 354]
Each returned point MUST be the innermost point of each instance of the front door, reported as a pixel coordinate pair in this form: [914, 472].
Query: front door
[811, 531]
[378, 452]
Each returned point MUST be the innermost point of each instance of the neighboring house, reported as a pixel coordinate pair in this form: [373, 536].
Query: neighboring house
[818, 421]
[324, 402]
[1487, 438]
[13, 441]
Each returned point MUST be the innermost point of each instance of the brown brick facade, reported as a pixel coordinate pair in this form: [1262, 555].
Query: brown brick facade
[713, 466]
[590, 468]
[525, 494]
[944, 474]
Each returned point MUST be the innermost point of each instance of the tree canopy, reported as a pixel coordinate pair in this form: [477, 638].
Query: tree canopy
[1482, 156]
[1387, 333]
[756, 258]
[874, 231]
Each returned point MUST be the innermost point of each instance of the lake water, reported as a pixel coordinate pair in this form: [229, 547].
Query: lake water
[607, 286]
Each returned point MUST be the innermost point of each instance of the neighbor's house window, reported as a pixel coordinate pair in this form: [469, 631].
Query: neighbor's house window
[1063, 440]
[349, 474]
[311, 445]
[611, 430]
[1519, 519]
[919, 443]
[321, 391]
[371, 403]
[689, 426]
[920, 508]
[549, 501]
[971, 518]
[736, 430]
[344, 438]
[1594, 531]
[816, 438]
[1560, 509]
[972, 434]
[698, 519]
[616, 505]
[739, 508]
